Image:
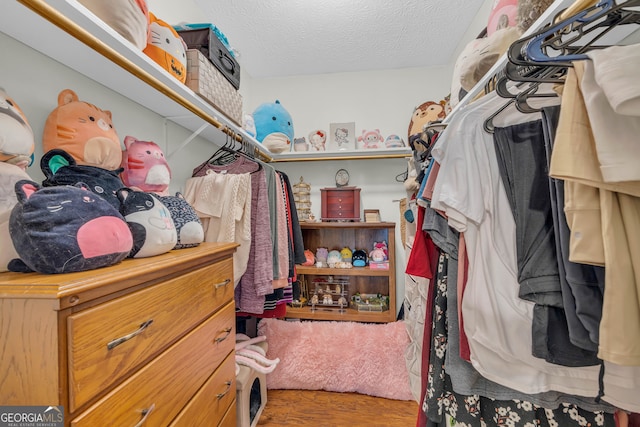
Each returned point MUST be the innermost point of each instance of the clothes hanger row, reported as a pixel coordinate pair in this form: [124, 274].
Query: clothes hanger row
[544, 56]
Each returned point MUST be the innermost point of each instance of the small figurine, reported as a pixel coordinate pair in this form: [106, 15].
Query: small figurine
[317, 139]
[314, 300]
[371, 138]
[342, 301]
[300, 144]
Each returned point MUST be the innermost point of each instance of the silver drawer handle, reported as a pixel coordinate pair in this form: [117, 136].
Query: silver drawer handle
[227, 332]
[127, 337]
[145, 414]
[222, 284]
[224, 393]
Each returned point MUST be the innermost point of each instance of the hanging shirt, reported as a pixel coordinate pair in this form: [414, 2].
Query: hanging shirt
[223, 204]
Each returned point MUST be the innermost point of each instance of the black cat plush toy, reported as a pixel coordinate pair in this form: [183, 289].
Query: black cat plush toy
[65, 229]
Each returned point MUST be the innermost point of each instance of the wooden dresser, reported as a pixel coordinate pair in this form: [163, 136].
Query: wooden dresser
[147, 342]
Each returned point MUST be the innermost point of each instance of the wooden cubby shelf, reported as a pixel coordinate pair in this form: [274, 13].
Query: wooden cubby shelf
[363, 280]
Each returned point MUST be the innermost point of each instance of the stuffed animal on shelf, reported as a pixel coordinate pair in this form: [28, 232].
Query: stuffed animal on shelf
[480, 55]
[16, 154]
[377, 255]
[371, 138]
[310, 258]
[166, 48]
[65, 229]
[346, 254]
[423, 114]
[249, 125]
[144, 167]
[150, 222]
[318, 139]
[274, 126]
[321, 256]
[189, 228]
[383, 246]
[129, 18]
[300, 144]
[333, 258]
[16, 136]
[84, 131]
[359, 258]
[394, 141]
[60, 168]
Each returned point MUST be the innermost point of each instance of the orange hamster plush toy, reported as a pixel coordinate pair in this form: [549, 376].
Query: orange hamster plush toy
[166, 47]
[84, 131]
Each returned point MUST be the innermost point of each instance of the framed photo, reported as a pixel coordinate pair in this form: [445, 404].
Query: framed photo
[342, 137]
[371, 215]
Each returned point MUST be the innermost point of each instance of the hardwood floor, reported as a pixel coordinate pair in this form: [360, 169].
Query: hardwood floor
[327, 409]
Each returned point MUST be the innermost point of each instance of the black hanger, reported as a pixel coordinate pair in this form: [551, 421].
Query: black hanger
[560, 37]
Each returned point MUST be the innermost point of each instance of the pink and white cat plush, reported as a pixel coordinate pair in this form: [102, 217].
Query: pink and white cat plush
[371, 138]
[145, 167]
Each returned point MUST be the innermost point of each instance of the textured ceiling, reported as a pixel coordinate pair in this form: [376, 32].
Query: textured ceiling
[297, 37]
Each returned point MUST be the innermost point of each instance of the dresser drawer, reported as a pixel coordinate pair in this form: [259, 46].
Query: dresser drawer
[229, 419]
[340, 204]
[209, 406]
[108, 341]
[163, 387]
[340, 198]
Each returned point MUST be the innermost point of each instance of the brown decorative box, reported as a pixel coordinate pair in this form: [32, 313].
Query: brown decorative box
[208, 82]
[340, 204]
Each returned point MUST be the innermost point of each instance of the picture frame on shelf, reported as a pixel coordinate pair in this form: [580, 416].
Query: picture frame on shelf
[342, 137]
[372, 215]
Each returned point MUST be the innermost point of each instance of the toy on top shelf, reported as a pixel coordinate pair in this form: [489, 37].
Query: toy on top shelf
[166, 48]
[371, 138]
[426, 112]
[318, 139]
[84, 131]
[300, 144]
[16, 154]
[393, 141]
[274, 126]
[128, 18]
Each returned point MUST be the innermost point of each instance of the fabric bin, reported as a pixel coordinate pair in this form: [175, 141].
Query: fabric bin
[207, 81]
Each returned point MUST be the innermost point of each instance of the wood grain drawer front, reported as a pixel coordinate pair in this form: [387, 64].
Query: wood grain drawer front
[229, 419]
[157, 393]
[210, 405]
[108, 341]
[340, 198]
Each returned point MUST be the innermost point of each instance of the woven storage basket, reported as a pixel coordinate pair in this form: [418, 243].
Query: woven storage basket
[205, 80]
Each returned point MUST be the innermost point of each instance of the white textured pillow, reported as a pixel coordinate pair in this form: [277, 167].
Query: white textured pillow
[130, 18]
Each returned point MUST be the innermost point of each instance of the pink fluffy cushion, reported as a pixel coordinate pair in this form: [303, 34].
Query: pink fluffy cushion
[339, 356]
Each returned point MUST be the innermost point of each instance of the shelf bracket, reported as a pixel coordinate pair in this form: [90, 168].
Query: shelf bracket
[188, 140]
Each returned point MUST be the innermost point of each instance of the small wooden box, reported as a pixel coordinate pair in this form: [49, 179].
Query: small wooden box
[340, 204]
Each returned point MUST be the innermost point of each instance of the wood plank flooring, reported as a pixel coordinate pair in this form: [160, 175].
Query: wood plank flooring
[328, 409]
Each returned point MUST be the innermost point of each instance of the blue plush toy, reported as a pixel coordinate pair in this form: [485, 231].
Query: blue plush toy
[274, 126]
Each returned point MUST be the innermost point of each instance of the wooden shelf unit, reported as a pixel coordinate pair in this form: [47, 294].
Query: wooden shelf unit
[355, 235]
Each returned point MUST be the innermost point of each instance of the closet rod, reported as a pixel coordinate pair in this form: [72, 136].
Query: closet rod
[54, 16]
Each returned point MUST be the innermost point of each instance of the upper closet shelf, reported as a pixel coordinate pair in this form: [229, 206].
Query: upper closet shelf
[67, 32]
[299, 156]
[548, 16]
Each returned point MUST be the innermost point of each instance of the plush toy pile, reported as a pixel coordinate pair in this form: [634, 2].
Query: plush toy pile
[89, 211]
